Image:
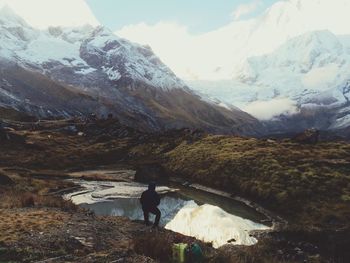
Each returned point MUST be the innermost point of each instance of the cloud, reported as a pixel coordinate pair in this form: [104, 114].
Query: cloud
[190, 56]
[267, 110]
[246, 9]
[159, 32]
[44, 13]
[170, 41]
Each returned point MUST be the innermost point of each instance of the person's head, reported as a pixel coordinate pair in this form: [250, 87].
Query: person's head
[152, 186]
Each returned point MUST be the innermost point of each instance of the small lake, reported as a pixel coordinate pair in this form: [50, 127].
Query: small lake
[206, 216]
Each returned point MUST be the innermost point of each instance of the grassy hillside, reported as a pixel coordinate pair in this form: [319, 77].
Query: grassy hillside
[309, 185]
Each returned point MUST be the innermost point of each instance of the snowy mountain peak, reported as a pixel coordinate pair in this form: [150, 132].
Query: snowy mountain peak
[71, 34]
[119, 57]
[298, 16]
[86, 48]
[309, 50]
[319, 38]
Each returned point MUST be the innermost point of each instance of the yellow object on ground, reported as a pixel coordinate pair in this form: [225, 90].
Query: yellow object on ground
[179, 253]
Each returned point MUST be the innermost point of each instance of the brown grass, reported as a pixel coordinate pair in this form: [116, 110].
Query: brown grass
[17, 223]
[18, 199]
[297, 180]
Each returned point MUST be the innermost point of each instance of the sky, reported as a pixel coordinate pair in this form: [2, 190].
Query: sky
[44, 13]
[199, 16]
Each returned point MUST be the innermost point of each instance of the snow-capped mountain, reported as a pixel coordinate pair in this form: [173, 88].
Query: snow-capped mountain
[80, 70]
[84, 49]
[291, 63]
[305, 76]
[302, 69]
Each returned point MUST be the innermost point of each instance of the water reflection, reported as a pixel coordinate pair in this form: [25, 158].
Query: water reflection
[205, 222]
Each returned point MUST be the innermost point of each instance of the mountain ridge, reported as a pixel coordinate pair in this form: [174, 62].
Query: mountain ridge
[105, 74]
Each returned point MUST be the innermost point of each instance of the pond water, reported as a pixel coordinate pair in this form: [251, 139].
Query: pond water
[191, 212]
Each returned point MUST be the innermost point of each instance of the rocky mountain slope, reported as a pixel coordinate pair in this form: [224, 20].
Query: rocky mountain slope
[61, 72]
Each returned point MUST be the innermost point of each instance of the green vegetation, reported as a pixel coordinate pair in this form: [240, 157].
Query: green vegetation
[309, 185]
[306, 183]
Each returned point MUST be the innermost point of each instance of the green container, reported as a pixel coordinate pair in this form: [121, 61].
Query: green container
[179, 253]
[196, 253]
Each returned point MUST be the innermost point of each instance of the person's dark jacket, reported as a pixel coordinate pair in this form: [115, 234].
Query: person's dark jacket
[149, 198]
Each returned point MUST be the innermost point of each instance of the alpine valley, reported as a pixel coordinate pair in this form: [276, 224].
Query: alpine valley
[243, 140]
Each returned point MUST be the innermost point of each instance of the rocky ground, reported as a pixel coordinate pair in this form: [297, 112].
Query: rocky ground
[307, 184]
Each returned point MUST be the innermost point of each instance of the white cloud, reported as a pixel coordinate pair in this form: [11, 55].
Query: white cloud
[170, 41]
[44, 13]
[267, 110]
[220, 54]
[246, 9]
[189, 55]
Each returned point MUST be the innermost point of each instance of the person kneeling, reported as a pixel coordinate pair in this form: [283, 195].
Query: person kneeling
[149, 201]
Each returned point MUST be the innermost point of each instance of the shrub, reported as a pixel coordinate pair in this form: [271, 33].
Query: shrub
[27, 200]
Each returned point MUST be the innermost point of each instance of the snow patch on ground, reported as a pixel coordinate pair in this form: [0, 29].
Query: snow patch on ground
[212, 224]
[95, 191]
